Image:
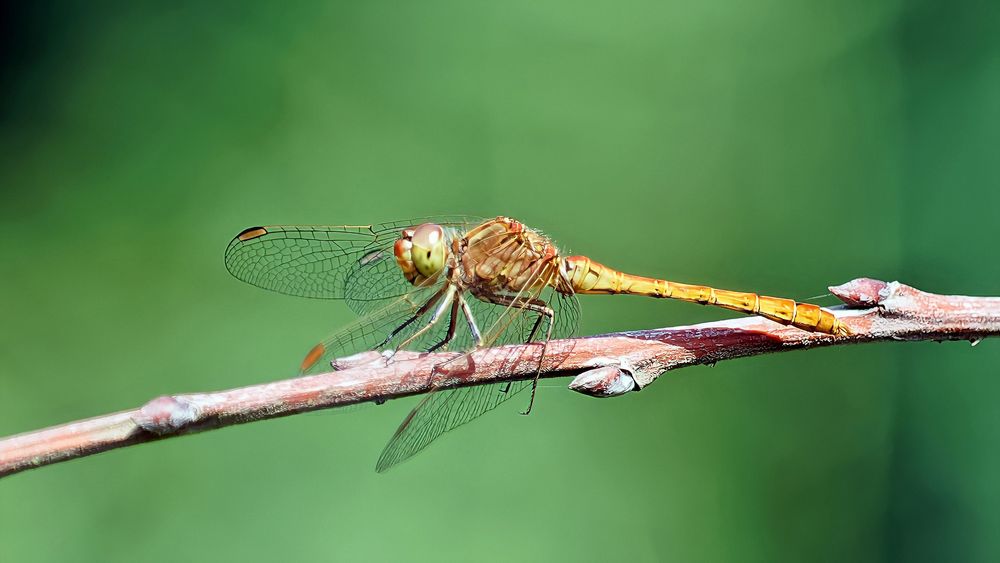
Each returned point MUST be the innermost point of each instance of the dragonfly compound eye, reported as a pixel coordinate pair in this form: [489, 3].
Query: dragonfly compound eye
[429, 249]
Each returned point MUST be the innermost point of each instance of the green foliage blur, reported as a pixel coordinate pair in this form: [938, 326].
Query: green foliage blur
[773, 146]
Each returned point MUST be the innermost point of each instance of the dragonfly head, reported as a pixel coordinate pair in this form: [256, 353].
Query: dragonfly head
[421, 252]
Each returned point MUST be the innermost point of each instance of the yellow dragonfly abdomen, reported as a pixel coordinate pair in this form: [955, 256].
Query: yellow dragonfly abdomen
[588, 276]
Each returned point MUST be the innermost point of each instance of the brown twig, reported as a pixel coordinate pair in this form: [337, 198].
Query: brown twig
[605, 365]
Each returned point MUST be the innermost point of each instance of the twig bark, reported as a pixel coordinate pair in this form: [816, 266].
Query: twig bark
[605, 365]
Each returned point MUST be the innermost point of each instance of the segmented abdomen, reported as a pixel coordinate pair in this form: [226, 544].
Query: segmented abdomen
[587, 276]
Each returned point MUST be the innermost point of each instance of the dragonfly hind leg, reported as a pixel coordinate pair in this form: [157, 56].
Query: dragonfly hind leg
[544, 311]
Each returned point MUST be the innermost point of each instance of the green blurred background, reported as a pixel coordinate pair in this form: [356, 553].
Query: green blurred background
[775, 146]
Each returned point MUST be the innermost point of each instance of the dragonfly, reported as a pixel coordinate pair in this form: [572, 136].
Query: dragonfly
[458, 283]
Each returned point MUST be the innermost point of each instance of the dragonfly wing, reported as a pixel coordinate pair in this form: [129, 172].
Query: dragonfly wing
[374, 331]
[326, 262]
[377, 275]
[303, 260]
[440, 412]
[446, 409]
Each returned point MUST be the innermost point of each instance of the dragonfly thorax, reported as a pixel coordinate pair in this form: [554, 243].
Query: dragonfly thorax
[421, 252]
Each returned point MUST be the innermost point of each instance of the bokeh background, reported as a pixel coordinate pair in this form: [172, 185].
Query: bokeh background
[777, 146]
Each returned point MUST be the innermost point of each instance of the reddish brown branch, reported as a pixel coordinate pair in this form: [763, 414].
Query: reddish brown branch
[604, 365]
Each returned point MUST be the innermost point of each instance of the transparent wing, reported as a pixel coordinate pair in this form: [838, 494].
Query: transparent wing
[375, 330]
[328, 262]
[446, 409]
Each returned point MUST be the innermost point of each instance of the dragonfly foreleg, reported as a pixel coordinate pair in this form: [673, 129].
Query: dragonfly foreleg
[452, 323]
[416, 315]
[449, 295]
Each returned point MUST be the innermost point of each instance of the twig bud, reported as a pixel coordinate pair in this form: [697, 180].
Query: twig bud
[605, 381]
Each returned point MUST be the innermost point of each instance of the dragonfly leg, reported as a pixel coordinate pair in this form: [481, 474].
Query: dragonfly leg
[477, 337]
[550, 315]
[419, 313]
[451, 326]
[449, 296]
[460, 303]
[534, 329]
[531, 336]
[544, 311]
